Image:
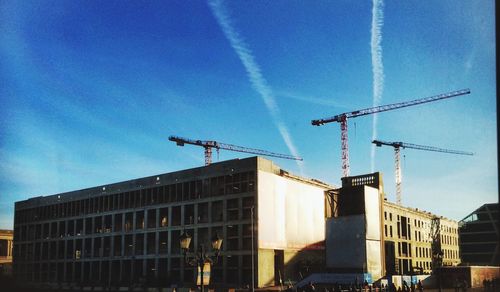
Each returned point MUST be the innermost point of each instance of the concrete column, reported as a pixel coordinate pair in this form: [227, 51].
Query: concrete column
[144, 242]
[169, 240]
[122, 247]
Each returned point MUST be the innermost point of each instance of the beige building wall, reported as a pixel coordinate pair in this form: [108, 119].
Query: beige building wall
[410, 230]
[449, 242]
[291, 225]
[6, 244]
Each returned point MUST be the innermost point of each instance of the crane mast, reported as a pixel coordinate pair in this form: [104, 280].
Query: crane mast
[208, 145]
[397, 158]
[342, 119]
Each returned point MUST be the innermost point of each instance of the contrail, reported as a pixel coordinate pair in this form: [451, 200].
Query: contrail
[377, 65]
[254, 73]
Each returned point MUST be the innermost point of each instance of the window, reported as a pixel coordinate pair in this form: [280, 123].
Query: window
[217, 212]
[129, 245]
[161, 194]
[203, 213]
[176, 215]
[97, 224]
[203, 237]
[139, 244]
[79, 227]
[188, 214]
[117, 248]
[163, 219]
[87, 248]
[107, 223]
[152, 218]
[151, 243]
[97, 247]
[118, 222]
[175, 248]
[139, 220]
[163, 242]
[62, 228]
[233, 209]
[248, 203]
[107, 246]
[129, 221]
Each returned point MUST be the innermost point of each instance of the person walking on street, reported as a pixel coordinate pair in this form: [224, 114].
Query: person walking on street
[310, 287]
[420, 287]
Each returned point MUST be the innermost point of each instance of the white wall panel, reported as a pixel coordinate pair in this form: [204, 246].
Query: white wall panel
[291, 214]
[372, 209]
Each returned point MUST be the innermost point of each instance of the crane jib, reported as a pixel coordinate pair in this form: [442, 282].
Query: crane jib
[388, 107]
[208, 145]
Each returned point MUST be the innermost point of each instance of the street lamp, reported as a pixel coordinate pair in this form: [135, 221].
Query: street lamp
[438, 262]
[200, 257]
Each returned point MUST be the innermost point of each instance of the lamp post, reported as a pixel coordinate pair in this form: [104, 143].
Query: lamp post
[253, 264]
[200, 257]
[438, 263]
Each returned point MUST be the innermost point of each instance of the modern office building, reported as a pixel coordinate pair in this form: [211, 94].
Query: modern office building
[480, 236]
[368, 234]
[6, 244]
[127, 233]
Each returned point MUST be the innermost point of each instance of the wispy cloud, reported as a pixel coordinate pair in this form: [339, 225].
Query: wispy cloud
[310, 99]
[377, 65]
[259, 83]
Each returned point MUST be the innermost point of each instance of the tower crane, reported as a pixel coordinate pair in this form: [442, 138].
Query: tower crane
[208, 145]
[342, 119]
[397, 148]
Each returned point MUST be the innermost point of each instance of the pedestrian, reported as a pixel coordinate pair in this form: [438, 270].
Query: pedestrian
[336, 287]
[465, 285]
[405, 286]
[310, 287]
[420, 287]
[392, 287]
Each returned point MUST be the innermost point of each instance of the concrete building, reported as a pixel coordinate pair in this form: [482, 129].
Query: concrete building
[480, 236]
[6, 244]
[408, 233]
[127, 233]
[369, 235]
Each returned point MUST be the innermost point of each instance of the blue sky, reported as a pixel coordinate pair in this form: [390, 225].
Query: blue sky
[91, 90]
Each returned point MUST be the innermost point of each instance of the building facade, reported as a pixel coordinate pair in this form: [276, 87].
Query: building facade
[6, 244]
[410, 234]
[412, 240]
[127, 233]
[480, 236]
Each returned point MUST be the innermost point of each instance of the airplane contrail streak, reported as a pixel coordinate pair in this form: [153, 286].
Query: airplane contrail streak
[377, 66]
[254, 73]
